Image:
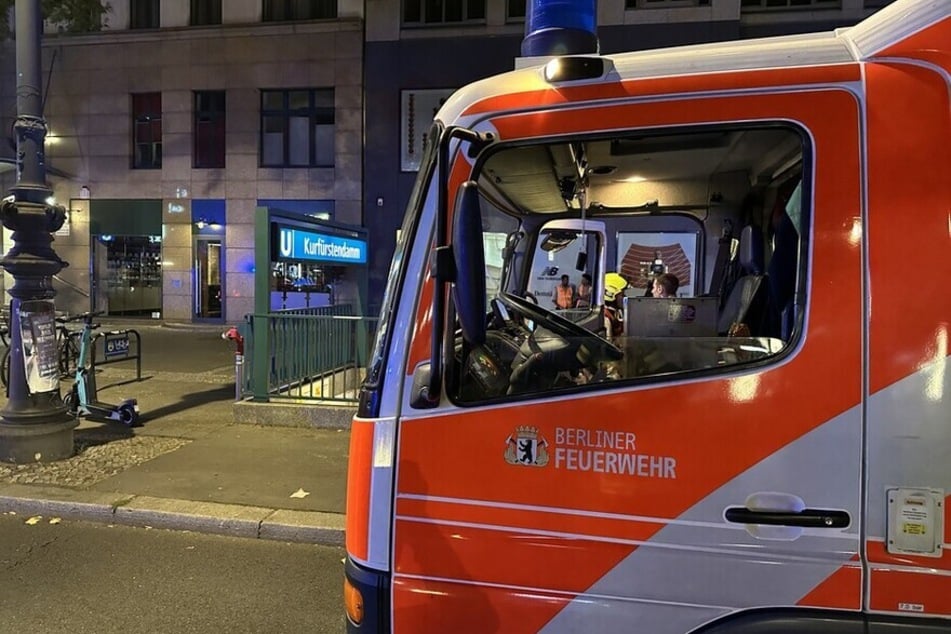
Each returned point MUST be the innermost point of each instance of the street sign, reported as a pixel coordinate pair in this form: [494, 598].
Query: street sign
[117, 344]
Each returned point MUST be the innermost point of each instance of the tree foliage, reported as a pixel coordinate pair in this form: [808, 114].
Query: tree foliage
[71, 16]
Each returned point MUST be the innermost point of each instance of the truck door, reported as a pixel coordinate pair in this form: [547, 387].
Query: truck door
[563, 484]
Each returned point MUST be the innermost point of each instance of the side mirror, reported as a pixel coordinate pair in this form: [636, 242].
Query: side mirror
[468, 292]
[420, 397]
[558, 239]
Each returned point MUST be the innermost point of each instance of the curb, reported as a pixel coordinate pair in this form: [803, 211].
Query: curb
[309, 527]
[313, 414]
[190, 326]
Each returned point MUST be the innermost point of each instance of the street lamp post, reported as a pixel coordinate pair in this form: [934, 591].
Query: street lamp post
[34, 424]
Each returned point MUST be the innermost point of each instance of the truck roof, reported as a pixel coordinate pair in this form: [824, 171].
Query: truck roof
[918, 29]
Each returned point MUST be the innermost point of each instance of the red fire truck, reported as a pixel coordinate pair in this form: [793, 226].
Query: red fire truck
[768, 450]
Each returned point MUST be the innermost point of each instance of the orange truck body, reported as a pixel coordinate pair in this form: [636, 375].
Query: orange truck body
[620, 520]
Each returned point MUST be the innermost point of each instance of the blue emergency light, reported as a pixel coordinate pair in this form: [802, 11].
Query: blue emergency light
[560, 27]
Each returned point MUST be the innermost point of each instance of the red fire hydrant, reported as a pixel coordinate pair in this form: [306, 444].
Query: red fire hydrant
[232, 334]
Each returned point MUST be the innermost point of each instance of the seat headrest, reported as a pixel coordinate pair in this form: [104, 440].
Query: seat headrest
[751, 250]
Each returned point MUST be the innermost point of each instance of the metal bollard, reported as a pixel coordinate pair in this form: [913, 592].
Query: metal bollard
[238, 375]
[232, 334]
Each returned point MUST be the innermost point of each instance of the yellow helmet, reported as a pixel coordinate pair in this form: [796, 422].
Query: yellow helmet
[614, 284]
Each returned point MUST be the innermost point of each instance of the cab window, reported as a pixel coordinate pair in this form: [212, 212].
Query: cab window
[689, 245]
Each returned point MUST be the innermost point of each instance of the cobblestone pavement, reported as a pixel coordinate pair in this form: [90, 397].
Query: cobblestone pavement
[100, 453]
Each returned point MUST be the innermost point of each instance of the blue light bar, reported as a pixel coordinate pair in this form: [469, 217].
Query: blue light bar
[560, 27]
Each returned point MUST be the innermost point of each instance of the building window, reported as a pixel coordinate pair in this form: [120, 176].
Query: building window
[515, 10]
[297, 128]
[443, 11]
[209, 130]
[287, 10]
[147, 131]
[665, 4]
[144, 14]
[781, 5]
[205, 12]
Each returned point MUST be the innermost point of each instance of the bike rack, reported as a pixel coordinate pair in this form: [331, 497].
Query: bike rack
[120, 352]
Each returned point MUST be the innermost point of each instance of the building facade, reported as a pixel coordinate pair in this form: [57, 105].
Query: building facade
[177, 122]
[171, 126]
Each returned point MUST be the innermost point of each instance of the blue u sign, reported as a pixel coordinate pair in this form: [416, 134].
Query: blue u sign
[299, 244]
[287, 243]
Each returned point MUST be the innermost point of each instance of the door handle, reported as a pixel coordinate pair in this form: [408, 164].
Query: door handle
[806, 518]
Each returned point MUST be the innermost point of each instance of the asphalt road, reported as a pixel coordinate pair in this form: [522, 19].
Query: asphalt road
[90, 578]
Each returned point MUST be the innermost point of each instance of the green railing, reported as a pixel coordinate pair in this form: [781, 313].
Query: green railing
[306, 354]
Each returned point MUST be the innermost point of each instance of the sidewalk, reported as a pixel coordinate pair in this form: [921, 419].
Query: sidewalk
[190, 466]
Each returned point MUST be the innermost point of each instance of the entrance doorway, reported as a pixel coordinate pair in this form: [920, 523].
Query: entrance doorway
[207, 286]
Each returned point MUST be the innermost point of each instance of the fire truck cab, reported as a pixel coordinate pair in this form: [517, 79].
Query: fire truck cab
[765, 450]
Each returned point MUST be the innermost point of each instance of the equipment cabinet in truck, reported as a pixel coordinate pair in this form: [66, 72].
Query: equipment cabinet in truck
[767, 451]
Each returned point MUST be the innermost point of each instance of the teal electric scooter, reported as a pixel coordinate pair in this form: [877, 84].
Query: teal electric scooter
[82, 399]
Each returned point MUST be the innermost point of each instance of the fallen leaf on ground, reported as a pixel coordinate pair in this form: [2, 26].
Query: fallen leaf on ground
[300, 493]
[34, 520]
[55, 520]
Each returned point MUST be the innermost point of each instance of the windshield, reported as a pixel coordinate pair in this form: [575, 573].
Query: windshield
[397, 272]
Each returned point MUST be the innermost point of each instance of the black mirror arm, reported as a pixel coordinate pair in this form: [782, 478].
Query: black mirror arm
[477, 141]
[434, 382]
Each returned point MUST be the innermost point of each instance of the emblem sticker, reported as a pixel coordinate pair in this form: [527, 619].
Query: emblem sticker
[525, 446]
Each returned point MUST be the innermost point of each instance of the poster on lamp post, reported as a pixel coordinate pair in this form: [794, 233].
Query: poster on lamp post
[38, 344]
[418, 108]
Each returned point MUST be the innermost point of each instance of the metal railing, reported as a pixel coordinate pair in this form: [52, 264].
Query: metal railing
[311, 355]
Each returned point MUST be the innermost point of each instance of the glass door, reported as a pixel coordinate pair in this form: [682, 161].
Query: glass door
[207, 287]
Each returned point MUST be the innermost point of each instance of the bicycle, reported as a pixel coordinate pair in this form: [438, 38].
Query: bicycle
[67, 344]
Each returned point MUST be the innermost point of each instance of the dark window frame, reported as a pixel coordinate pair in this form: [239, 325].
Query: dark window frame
[664, 4]
[147, 130]
[443, 12]
[208, 129]
[788, 5]
[145, 14]
[205, 12]
[316, 115]
[297, 10]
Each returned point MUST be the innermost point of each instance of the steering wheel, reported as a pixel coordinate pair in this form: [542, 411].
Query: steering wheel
[560, 326]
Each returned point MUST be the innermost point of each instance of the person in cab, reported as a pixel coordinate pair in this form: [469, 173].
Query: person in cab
[564, 294]
[614, 285]
[583, 292]
[665, 285]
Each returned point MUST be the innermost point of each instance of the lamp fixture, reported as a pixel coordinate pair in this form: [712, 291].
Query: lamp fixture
[201, 223]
